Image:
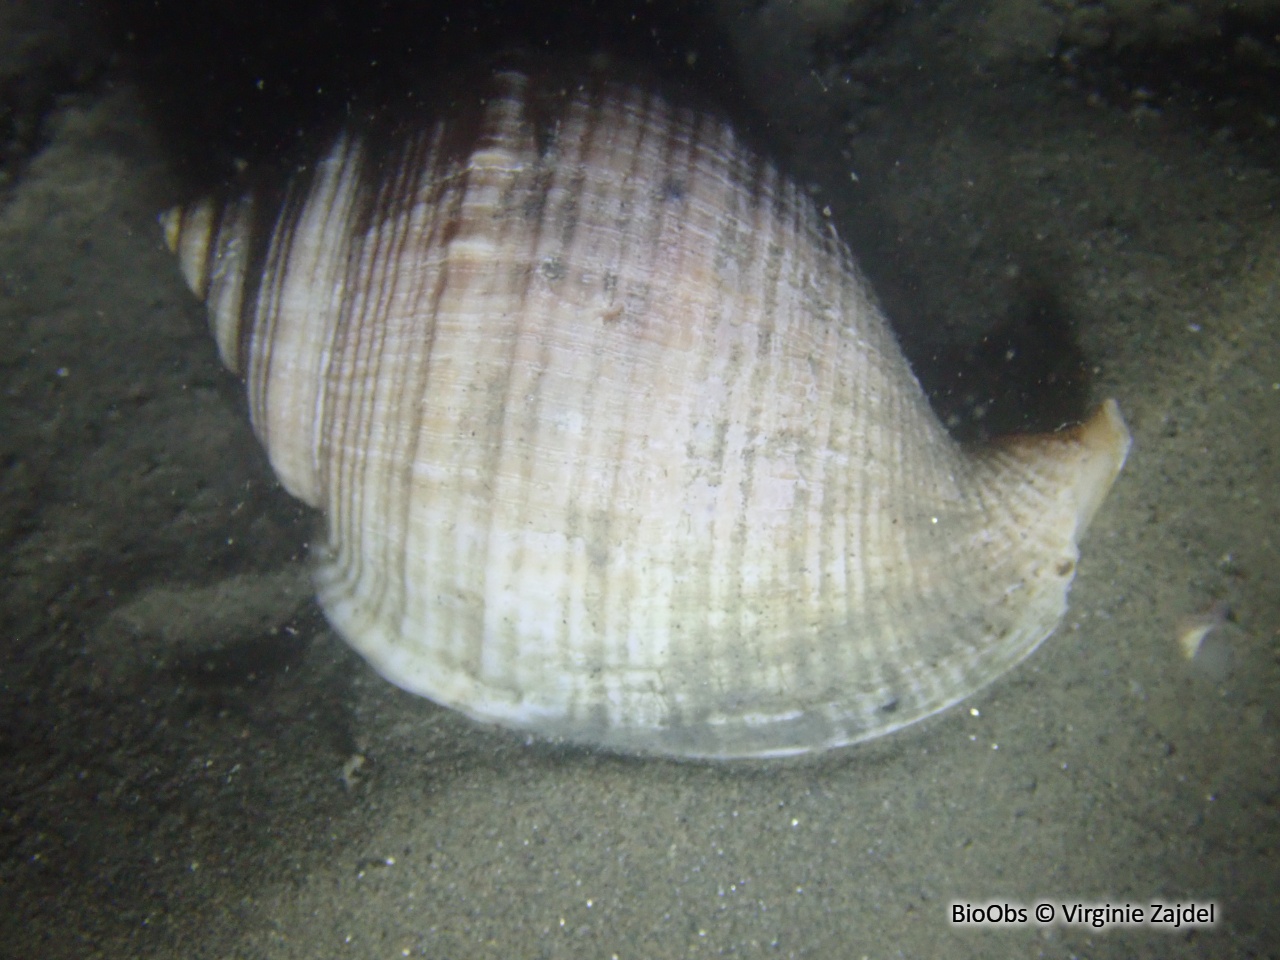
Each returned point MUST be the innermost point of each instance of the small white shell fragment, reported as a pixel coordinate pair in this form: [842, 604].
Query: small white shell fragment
[1192, 629]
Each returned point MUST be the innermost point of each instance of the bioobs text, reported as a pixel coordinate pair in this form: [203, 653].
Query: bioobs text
[1159, 916]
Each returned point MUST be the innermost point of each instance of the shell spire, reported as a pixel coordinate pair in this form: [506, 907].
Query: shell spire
[210, 242]
[613, 443]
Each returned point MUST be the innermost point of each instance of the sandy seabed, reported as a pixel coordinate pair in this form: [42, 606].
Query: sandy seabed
[196, 766]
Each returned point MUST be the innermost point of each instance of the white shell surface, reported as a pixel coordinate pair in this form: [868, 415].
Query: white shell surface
[614, 445]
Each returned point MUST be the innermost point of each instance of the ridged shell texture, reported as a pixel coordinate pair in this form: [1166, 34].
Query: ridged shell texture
[614, 445]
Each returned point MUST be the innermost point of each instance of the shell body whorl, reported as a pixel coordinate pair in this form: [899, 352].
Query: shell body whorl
[613, 444]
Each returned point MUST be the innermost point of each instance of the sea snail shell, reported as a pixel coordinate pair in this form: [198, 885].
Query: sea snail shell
[613, 443]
